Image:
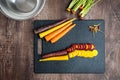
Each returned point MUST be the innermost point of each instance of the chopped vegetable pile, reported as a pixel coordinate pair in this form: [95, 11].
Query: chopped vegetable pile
[94, 29]
[83, 5]
[75, 50]
[75, 53]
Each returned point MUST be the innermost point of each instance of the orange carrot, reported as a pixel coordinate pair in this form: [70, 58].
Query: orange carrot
[60, 35]
[53, 34]
[43, 34]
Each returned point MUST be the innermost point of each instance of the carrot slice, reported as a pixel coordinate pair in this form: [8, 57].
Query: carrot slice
[60, 35]
[53, 34]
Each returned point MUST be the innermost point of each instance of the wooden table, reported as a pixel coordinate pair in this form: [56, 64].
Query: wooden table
[16, 42]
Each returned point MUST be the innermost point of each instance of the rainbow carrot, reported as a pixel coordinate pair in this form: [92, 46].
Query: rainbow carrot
[41, 29]
[58, 58]
[75, 53]
[86, 46]
[53, 34]
[42, 34]
[73, 47]
[53, 54]
[60, 35]
[83, 53]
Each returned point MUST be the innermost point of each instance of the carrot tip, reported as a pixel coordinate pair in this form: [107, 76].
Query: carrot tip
[52, 42]
[46, 39]
[35, 31]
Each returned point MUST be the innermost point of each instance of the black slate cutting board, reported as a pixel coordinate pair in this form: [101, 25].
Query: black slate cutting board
[79, 34]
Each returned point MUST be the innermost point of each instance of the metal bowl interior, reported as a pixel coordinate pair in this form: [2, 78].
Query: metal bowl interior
[21, 15]
[22, 6]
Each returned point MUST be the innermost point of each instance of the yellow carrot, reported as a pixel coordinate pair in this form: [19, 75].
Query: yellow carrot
[83, 53]
[42, 34]
[57, 58]
[53, 34]
[73, 54]
[60, 35]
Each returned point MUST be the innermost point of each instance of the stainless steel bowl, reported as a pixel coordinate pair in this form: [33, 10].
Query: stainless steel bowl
[21, 9]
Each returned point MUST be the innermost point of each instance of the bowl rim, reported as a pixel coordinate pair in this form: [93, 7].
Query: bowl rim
[26, 17]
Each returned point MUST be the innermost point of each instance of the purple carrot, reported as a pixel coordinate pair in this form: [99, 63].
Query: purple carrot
[49, 26]
[58, 53]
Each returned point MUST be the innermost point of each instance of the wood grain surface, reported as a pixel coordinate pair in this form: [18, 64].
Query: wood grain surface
[16, 42]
